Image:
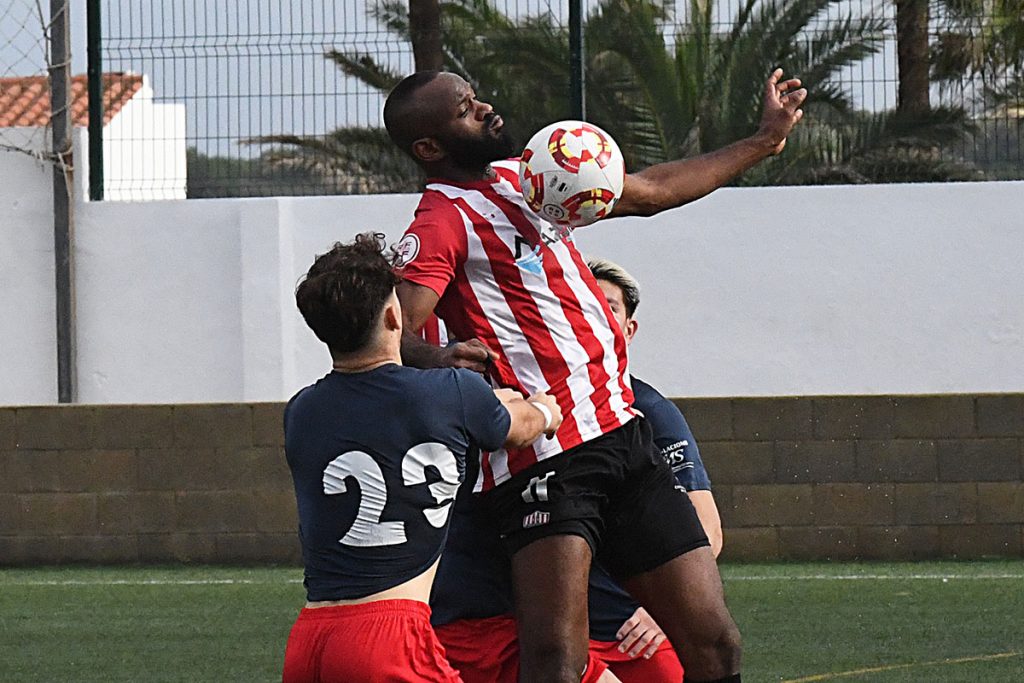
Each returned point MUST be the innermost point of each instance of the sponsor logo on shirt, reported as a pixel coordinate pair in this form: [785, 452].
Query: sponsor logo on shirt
[536, 518]
[406, 250]
[529, 257]
[675, 456]
[532, 261]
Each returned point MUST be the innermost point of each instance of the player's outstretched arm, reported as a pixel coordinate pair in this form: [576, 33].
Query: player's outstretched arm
[707, 512]
[674, 183]
[418, 302]
[531, 417]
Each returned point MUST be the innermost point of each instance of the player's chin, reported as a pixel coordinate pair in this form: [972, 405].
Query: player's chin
[504, 146]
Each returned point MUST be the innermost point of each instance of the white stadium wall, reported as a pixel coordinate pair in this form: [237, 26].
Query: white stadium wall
[28, 346]
[749, 292]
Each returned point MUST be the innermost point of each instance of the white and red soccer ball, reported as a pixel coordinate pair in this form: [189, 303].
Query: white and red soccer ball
[571, 173]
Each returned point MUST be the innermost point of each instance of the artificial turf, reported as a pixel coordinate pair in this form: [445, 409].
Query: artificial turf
[800, 622]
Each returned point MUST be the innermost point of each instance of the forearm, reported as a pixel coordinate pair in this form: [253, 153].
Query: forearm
[527, 424]
[418, 353]
[675, 183]
[707, 513]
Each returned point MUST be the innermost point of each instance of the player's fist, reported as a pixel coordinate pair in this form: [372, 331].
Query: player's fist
[548, 406]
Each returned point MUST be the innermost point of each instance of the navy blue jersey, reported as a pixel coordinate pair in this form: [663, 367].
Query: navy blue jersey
[610, 605]
[474, 579]
[377, 458]
[672, 435]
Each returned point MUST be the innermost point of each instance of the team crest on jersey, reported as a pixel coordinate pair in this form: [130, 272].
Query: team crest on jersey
[406, 250]
[536, 518]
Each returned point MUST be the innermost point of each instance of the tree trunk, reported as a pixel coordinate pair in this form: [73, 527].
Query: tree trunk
[912, 20]
[425, 32]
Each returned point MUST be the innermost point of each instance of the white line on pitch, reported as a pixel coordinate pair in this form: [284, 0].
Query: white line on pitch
[742, 577]
[872, 577]
[147, 582]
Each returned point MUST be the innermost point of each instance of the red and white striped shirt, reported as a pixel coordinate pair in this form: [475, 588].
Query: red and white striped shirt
[516, 282]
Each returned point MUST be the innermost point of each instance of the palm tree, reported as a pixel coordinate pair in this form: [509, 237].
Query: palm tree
[660, 98]
[425, 34]
[353, 160]
[980, 39]
[978, 59]
[706, 91]
[913, 85]
[976, 39]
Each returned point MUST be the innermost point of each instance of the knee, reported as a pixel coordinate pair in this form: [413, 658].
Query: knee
[729, 647]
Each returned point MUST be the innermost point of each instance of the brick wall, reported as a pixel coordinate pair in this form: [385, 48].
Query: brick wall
[191, 483]
[906, 477]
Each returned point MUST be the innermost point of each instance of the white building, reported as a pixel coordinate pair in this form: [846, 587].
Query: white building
[143, 140]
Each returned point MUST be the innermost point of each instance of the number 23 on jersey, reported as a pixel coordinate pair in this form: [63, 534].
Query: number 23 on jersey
[367, 529]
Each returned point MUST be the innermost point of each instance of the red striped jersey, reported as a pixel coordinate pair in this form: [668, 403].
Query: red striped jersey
[516, 282]
[434, 332]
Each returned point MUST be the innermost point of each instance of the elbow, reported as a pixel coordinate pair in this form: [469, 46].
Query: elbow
[638, 206]
[716, 539]
[650, 207]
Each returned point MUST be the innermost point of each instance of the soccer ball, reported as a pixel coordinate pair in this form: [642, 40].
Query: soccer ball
[571, 173]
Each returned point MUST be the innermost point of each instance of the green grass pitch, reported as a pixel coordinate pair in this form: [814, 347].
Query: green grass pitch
[800, 622]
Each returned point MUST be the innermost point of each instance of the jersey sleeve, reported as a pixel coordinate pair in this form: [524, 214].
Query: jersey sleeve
[486, 420]
[434, 246]
[673, 437]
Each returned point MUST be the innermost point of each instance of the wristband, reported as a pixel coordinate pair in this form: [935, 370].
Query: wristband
[546, 412]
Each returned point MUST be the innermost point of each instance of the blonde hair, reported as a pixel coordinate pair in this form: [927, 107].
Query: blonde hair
[606, 270]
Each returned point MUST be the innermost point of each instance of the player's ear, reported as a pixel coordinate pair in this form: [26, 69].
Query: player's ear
[427, 150]
[631, 327]
[393, 315]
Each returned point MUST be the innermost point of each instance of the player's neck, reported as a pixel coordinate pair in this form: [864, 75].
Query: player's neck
[460, 174]
[364, 362]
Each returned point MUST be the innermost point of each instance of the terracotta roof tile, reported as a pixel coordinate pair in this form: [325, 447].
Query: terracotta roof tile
[26, 101]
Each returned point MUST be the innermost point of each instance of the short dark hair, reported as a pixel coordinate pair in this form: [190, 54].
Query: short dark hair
[345, 290]
[606, 270]
[400, 115]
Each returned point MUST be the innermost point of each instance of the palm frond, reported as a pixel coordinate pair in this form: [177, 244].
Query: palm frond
[365, 69]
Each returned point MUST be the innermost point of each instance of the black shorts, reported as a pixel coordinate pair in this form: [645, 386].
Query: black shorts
[615, 491]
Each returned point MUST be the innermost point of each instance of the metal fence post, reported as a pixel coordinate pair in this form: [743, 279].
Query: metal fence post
[577, 75]
[94, 39]
[63, 223]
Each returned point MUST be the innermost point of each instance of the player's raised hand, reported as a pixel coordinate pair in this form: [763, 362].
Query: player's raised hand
[472, 354]
[782, 100]
[640, 634]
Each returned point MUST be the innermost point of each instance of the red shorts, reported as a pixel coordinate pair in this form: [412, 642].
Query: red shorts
[388, 641]
[482, 650]
[662, 667]
[487, 650]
